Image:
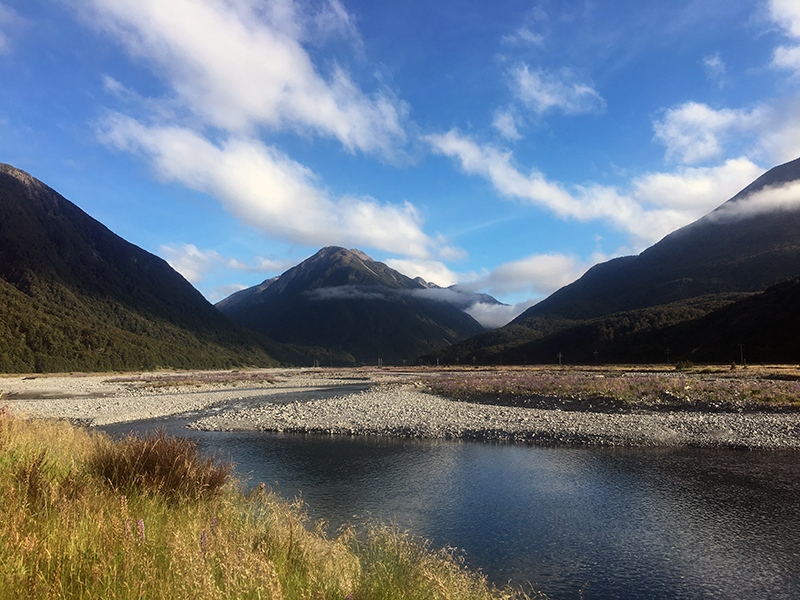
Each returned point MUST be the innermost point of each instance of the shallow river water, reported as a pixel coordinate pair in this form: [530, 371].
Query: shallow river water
[577, 522]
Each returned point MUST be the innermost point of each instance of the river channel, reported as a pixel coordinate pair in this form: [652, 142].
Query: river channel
[590, 523]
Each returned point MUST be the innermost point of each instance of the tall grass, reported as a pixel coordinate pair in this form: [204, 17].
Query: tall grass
[85, 517]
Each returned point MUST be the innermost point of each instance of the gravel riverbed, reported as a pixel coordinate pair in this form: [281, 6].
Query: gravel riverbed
[314, 402]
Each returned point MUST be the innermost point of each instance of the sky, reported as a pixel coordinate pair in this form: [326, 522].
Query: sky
[506, 146]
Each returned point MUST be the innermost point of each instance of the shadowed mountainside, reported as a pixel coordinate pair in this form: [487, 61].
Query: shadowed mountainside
[748, 244]
[761, 328]
[75, 296]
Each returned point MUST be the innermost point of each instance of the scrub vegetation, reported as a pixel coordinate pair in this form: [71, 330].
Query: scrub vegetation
[691, 387]
[88, 517]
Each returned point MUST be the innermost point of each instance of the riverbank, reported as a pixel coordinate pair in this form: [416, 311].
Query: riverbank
[87, 517]
[387, 403]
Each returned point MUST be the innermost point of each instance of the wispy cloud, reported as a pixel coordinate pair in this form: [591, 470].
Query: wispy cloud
[505, 123]
[8, 19]
[715, 69]
[524, 36]
[786, 13]
[196, 264]
[768, 200]
[647, 212]
[541, 90]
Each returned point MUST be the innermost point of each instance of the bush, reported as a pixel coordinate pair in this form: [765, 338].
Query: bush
[166, 465]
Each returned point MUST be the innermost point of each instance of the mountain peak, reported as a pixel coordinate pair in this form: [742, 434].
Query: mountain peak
[343, 299]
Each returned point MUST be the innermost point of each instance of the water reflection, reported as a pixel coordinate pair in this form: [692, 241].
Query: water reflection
[624, 523]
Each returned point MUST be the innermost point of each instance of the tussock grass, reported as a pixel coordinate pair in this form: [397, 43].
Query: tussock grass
[171, 466]
[85, 517]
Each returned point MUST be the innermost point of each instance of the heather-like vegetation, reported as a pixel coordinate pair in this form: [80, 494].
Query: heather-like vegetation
[85, 517]
[624, 388]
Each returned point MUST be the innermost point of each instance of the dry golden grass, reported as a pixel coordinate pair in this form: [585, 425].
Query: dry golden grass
[87, 518]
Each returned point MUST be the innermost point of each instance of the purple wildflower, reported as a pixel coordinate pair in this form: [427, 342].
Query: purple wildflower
[204, 542]
[142, 537]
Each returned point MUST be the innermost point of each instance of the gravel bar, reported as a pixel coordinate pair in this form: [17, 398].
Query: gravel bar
[373, 404]
[404, 411]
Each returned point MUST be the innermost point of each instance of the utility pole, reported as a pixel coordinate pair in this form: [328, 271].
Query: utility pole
[741, 353]
[559, 359]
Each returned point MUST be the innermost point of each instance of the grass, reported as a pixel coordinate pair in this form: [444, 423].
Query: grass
[702, 386]
[85, 517]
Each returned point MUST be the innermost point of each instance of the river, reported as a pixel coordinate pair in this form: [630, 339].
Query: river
[590, 523]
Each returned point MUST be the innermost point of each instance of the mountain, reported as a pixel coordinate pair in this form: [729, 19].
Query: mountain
[342, 299]
[759, 328]
[75, 296]
[749, 243]
[729, 250]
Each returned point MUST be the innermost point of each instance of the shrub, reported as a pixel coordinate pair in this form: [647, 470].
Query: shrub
[166, 465]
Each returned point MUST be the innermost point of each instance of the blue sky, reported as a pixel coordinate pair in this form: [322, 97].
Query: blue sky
[506, 145]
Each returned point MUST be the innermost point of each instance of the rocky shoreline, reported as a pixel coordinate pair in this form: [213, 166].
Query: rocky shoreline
[403, 411]
[319, 403]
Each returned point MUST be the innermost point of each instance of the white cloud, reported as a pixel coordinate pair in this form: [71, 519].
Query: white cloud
[505, 123]
[695, 132]
[769, 199]
[492, 316]
[195, 264]
[8, 19]
[779, 134]
[715, 69]
[695, 189]
[256, 73]
[524, 36]
[648, 213]
[191, 262]
[541, 90]
[787, 57]
[431, 271]
[538, 274]
[268, 190]
[787, 14]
